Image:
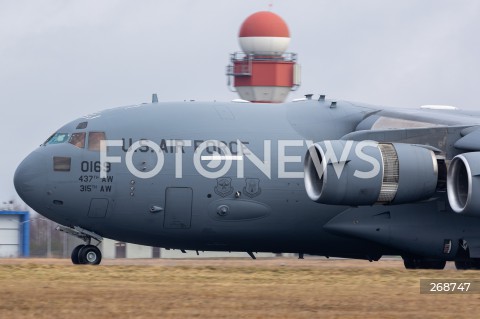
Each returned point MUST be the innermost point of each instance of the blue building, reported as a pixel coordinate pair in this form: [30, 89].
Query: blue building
[14, 234]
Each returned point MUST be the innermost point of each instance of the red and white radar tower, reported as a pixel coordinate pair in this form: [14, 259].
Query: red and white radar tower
[263, 72]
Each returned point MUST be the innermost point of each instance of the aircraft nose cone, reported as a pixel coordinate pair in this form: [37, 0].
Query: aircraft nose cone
[30, 179]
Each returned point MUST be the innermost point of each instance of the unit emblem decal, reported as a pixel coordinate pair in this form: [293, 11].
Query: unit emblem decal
[252, 187]
[224, 186]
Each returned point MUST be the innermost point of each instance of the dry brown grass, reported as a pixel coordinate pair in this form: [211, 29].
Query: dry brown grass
[273, 288]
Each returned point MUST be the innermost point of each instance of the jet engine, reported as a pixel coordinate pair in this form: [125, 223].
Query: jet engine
[359, 173]
[463, 183]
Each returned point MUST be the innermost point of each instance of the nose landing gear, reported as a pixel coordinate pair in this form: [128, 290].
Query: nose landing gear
[87, 254]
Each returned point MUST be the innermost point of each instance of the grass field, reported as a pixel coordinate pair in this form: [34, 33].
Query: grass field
[219, 288]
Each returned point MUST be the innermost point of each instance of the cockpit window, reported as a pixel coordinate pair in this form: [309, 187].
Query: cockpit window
[77, 139]
[57, 138]
[82, 125]
[94, 139]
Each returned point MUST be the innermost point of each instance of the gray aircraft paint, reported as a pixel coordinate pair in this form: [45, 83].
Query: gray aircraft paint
[253, 213]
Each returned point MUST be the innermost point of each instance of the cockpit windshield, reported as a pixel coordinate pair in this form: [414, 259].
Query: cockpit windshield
[77, 139]
[57, 138]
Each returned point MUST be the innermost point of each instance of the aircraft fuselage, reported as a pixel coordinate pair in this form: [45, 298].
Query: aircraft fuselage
[223, 177]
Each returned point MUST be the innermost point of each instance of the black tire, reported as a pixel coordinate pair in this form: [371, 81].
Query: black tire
[409, 263]
[74, 254]
[435, 264]
[475, 264]
[420, 263]
[89, 255]
[466, 264]
[461, 265]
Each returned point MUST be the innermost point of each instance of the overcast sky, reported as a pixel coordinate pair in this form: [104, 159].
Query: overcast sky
[63, 59]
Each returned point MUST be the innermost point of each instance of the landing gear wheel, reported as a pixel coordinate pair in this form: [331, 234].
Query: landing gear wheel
[74, 255]
[89, 255]
[409, 263]
[461, 265]
[436, 264]
[469, 263]
[419, 263]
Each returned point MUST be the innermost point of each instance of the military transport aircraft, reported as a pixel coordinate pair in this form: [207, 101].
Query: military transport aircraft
[313, 176]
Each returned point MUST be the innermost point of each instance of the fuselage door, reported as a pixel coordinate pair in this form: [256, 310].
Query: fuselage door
[178, 207]
[98, 207]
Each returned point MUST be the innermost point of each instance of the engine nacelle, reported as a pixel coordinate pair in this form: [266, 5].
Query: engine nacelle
[463, 183]
[359, 173]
